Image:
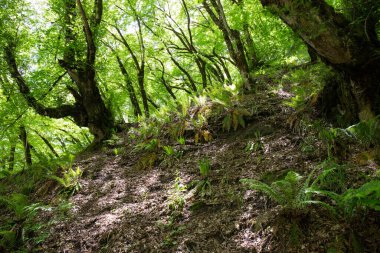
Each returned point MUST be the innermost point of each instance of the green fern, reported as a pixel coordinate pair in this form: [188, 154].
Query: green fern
[235, 118]
[366, 196]
[204, 167]
[289, 192]
[15, 203]
[366, 132]
[285, 192]
[70, 180]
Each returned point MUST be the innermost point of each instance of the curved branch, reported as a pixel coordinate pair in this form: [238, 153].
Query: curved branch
[54, 112]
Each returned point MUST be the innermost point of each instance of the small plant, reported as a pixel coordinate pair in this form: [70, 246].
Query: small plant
[290, 192]
[204, 167]
[171, 156]
[307, 145]
[332, 178]
[366, 196]
[203, 186]
[328, 136]
[201, 132]
[181, 140]
[366, 132]
[70, 180]
[147, 160]
[234, 118]
[177, 128]
[177, 198]
[169, 150]
[254, 145]
[150, 145]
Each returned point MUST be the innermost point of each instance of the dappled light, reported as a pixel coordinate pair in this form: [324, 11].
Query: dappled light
[189, 126]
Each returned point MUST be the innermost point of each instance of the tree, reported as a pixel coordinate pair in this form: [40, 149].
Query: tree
[89, 109]
[348, 42]
[232, 39]
[138, 61]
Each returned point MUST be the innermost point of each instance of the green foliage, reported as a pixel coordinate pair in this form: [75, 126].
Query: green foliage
[294, 193]
[349, 202]
[176, 197]
[69, 180]
[230, 108]
[24, 229]
[290, 192]
[169, 150]
[254, 145]
[201, 130]
[149, 145]
[368, 195]
[203, 186]
[328, 136]
[366, 132]
[234, 119]
[305, 84]
[332, 178]
[15, 203]
[286, 192]
[181, 140]
[204, 167]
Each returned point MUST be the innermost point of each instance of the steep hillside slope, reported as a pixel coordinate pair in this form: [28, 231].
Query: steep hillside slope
[131, 202]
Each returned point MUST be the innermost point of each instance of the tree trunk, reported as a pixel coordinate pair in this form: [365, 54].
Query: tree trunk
[11, 160]
[232, 39]
[130, 89]
[27, 146]
[48, 144]
[89, 109]
[345, 46]
[140, 77]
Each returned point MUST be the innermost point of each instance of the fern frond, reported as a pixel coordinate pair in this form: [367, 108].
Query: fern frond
[263, 187]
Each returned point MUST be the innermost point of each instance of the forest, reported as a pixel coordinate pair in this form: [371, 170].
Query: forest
[190, 126]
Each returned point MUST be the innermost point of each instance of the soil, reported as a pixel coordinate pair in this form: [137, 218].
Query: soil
[126, 205]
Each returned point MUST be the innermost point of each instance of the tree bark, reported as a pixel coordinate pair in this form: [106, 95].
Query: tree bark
[48, 144]
[89, 109]
[163, 80]
[131, 90]
[344, 45]
[11, 160]
[232, 39]
[140, 66]
[27, 146]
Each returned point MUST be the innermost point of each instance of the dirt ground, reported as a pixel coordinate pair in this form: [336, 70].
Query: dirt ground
[125, 207]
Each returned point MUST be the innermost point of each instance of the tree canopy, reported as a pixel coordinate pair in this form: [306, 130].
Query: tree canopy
[100, 64]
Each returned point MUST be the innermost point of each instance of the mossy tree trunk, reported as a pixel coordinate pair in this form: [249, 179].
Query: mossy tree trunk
[350, 48]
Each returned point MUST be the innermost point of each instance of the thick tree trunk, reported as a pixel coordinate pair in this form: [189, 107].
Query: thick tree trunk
[345, 46]
[89, 109]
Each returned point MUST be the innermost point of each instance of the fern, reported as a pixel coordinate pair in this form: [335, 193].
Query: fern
[368, 195]
[70, 180]
[289, 192]
[286, 192]
[235, 118]
[15, 203]
[367, 132]
[204, 167]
